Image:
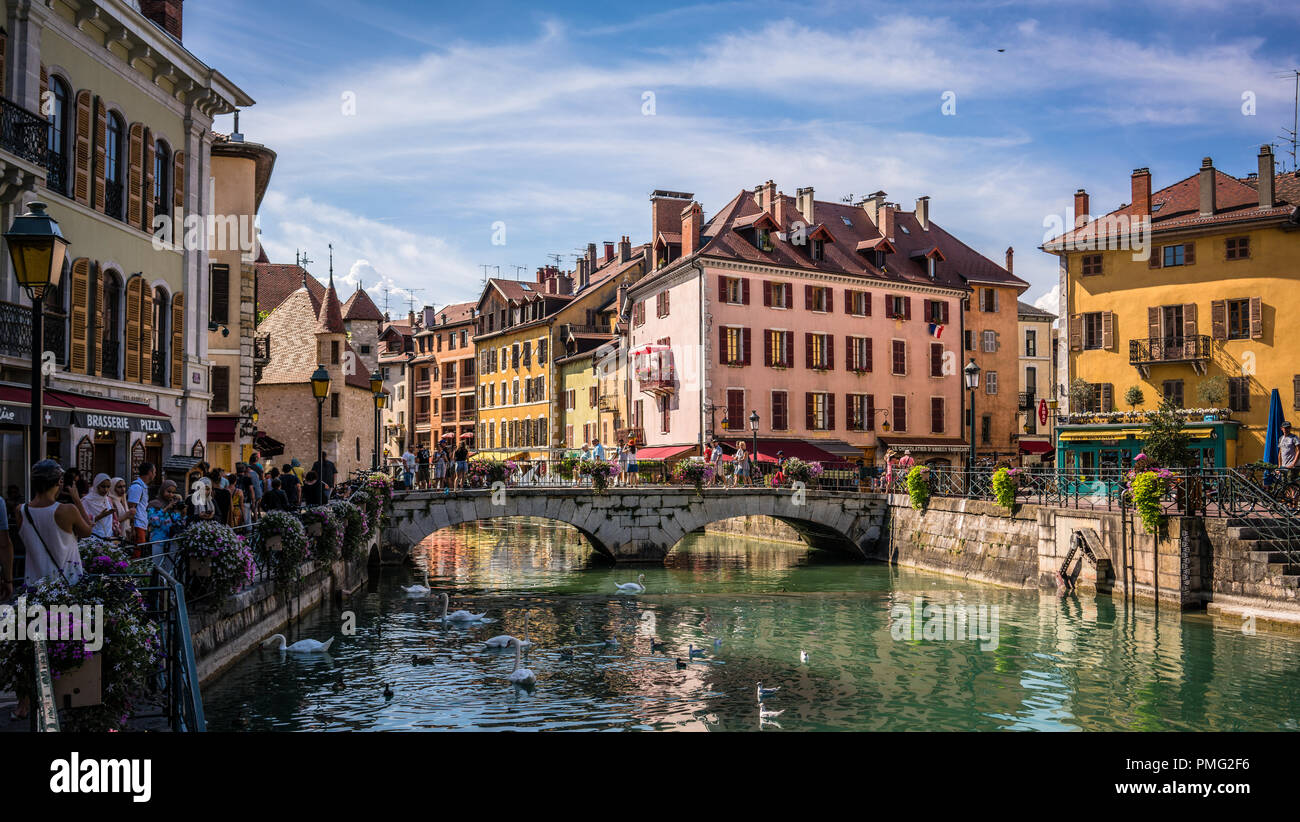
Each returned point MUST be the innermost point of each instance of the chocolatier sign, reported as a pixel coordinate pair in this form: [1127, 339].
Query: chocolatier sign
[122, 422]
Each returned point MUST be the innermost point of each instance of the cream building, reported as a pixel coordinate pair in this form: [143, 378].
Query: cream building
[1037, 376]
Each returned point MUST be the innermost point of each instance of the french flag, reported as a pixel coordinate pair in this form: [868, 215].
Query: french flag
[936, 330]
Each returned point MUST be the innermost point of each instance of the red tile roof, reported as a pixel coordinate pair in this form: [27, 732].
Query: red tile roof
[330, 316]
[360, 307]
[276, 281]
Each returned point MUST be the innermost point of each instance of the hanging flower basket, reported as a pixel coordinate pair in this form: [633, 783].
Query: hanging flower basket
[314, 529]
[219, 559]
[355, 528]
[81, 687]
[280, 545]
[200, 566]
[325, 532]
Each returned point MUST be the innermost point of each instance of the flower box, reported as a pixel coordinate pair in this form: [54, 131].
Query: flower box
[200, 566]
[275, 543]
[314, 529]
[82, 686]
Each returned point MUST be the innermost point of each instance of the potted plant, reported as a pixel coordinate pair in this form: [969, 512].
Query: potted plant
[324, 531]
[219, 560]
[355, 528]
[1211, 392]
[280, 545]
[695, 471]
[918, 486]
[599, 471]
[1006, 482]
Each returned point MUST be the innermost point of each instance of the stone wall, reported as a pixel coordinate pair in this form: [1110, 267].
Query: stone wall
[967, 538]
[763, 528]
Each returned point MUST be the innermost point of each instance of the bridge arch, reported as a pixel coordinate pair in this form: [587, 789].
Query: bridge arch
[644, 524]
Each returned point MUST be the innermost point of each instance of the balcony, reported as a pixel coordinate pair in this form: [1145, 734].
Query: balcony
[448, 383]
[1028, 401]
[422, 386]
[467, 381]
[1193, 349]
[113, 200]
[109, 351]
[16, 333]
[607, 402]
[421, 417]
[24, 133]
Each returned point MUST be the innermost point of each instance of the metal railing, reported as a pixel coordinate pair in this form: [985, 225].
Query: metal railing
[1188, 348]
[113, 199]
[24, 133]
[16, 332]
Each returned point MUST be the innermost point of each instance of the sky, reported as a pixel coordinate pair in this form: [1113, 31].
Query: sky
[425, 140]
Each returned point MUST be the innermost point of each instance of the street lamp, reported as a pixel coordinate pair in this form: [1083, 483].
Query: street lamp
[37, 249]
[376, 388]
[320, 389]
[972, 374]
[753, 426]
[381, 399]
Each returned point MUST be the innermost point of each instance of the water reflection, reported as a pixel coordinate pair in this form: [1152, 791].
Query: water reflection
[605, 660]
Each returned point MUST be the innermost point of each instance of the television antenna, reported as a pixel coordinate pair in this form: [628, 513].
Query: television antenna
[1290, 134]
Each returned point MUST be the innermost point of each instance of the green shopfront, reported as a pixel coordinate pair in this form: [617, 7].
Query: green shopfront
[1089, 448]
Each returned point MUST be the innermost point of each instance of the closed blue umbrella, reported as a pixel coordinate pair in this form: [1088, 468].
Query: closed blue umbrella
[1274, 430]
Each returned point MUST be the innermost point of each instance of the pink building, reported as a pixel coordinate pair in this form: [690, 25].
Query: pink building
[829, 320]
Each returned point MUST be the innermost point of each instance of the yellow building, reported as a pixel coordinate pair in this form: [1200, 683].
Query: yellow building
[1181, 290]
[579, 399]
[522, 326]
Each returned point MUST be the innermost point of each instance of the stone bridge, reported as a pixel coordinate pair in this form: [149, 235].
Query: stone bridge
[643, 524]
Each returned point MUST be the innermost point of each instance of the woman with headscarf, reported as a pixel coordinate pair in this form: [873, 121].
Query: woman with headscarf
[166, 516]
[121, 510]
[99, 506]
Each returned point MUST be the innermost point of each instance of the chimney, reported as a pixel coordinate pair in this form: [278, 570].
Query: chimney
[1011, 251]
[923, 212]
[582, 273]
[1265, 183]
[886, 224]
[666, 211]
[1081, 214]
[778, 210]
[609, 253]
[692, 221]
[166, 14]
[1142, 192]
[803, 200]
[563, 284]
[872, 206]
[591, 260]
[541, 274]
[769, 198]
[1206, 185]
[624, 249]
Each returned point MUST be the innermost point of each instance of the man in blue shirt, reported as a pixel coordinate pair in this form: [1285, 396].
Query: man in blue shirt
[137, 499]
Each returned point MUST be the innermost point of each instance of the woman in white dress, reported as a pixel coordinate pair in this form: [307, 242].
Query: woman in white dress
[99, 506]
[49, 529]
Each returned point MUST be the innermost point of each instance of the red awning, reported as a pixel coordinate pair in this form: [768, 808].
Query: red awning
[662, 452]
[222, 429]
[1035, 447]
[101, 404]
[794, 448]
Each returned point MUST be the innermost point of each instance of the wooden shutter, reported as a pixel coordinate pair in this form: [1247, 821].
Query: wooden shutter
[221, 295]
[724, 356]
[808, 297]
[722, 288]
[830, 411]
[82, 156]
[866, 366]
[907, 308]
[830, 299]
[936, 359]
[99, 324]
[829, 340]
[1256, 318]
[135, 174]
[1107, 330]
[45, 87]
[944, 312]
[178, 180]
[133, 288]
[744, 292]
[1189, 329]
[936, 415]
[1295, 392]
[178, 340]
[1107, 397]
[150, 158]
[146, 334]
[810, 421]
[1076, 333]
[1219, 319]
[744, 346]
[1189, 254]
[866, 299]
[848, 301]
[1154, 261]
[220, 388]
[767, 293]
[667, 295]
[80, 315]
[101, 154]
[767, 347]
[808, 349]
[1153, 322]
[849, 363]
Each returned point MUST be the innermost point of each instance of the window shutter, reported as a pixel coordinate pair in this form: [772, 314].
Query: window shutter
[787, 339]
[936, 415]
[80, 315]
[1153, 322]
[810, 421]
[1108, 330]
[745, 338]
[101, 134]
[944, 312]
[135, 174]
[45, 83]
[3, 45]
[133, 288]
[1189, 327]
[724, 356]
[808, 349]
[1219, 319]
[178, 340]
[82, 157]
[907, 308]
[767, 293]
[1189, 254]
[146, 221]
[1295, 392]
[808, 297]
[849, 362]
[830, 299]
[767, 348]
[1076, 332]
[744, 292]
[146, 334]
[220, 388]
[1256, 318]
[722, 289]
[1107, 397]
[178, 180]
[830, 411]
[867, 365]
[667, 296]
[848, 301]
[866, 298]
[996, 298]
[1154, 260]
[936, 359]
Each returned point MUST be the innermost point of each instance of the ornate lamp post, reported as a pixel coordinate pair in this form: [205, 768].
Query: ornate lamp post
[37, 249]
[381, 399]
[320, 389]
[376, 388]
[972, 374]
[753, 426]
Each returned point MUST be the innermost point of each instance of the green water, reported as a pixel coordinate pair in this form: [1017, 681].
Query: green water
[1072, 663]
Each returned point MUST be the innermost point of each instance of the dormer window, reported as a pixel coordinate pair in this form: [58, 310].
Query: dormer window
[932, 267]
[818, 249]
[763, 239]
[879, 255]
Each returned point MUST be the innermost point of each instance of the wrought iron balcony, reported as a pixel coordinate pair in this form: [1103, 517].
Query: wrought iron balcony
[1028, 401]
[56, 173]
[159, 368]
[113, 200]
[1193, 349]
[16, 332]
[108, 353]
[467, 381]
[24, 133]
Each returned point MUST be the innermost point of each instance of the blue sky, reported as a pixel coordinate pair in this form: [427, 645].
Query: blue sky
[532, 116]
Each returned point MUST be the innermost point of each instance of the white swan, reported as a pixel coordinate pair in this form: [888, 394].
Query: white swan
[803, 657]
[460, 616]
[504, 640]
[417, 588]
[764, 713]
[762, 692]
[637, 587]
[302, 646]
[522, 677]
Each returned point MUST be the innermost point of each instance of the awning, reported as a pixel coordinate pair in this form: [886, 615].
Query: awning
[663, 452]
[267, 446]
[799, 449]
[1100, 434]
[222, 429]
[1035, 447]
[15, 407]
[114, 415]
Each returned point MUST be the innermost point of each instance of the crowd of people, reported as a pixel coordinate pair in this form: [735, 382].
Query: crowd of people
[443, 467]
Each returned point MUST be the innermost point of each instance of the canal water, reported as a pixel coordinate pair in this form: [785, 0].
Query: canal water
[887, 649]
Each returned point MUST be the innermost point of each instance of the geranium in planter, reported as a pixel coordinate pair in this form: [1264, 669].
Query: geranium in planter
[696, 472]
[219, 560]
[280, 545]
[355, 528]
[370, 504]
[598, 470]
[325, 531]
